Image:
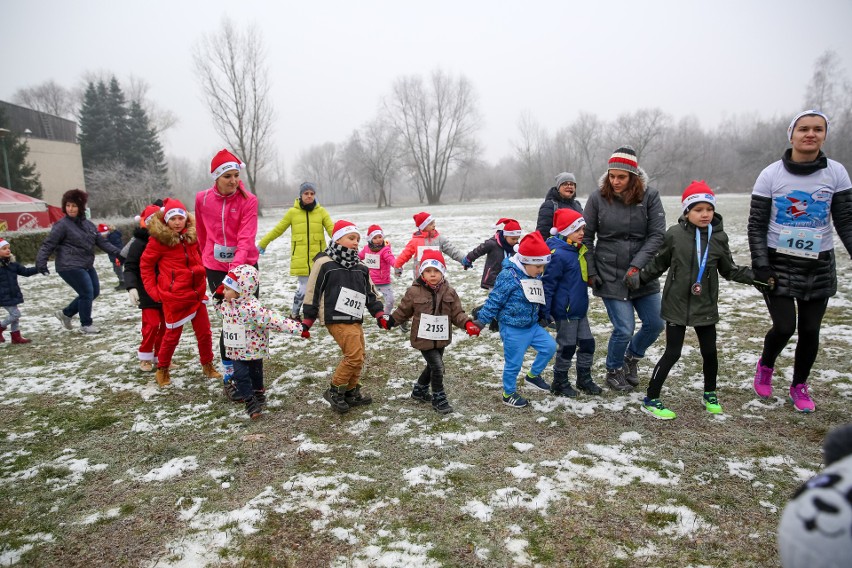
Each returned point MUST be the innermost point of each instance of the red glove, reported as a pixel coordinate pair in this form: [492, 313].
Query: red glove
[117, 261]
[472, 329]
[306, 326]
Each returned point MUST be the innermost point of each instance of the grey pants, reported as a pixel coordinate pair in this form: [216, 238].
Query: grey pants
[573, 336]
[11, 322]
[387, 293]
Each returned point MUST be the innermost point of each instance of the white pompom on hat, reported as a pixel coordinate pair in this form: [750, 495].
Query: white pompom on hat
[566, 221]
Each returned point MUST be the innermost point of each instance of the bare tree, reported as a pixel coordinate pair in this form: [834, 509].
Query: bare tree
[529, 150]
[587, 134]
[231, 68]
[378, 151]
[643, 129]
[323, 165]
[438, 123]
[48, 97]
[137, 91]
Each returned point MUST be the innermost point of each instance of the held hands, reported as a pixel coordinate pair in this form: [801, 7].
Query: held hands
[133, 295]
[397, 272]
[306, 326]
[466, 263]
[472, 329]
[385, 322]
[43, 271]
[595, 281]
[261, 250]
[631, 279]
[764, 278]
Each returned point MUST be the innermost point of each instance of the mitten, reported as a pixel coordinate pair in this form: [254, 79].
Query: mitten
[134, 296]
[466, 263]
[631, 279]
[306, 326]
[384, 322]
[219, 294]
[595, 281]
[472, 329]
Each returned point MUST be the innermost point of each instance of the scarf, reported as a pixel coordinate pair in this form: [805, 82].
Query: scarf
[347, 258]
[309, 207]
[803, 168]
[434, 288]
[376, 248]
[507, 248]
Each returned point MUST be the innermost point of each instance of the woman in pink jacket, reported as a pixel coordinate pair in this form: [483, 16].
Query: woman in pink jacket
[226, 219]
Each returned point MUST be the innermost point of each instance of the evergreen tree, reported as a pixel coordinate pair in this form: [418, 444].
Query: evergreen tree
[96, 137]
[119, 120]
[22, 174]
[144, 149]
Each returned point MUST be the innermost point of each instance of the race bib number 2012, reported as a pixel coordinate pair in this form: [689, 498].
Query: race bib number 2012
[351, 303]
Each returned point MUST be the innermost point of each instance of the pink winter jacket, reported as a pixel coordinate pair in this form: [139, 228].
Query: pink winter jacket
[381, 275]
[229, 222]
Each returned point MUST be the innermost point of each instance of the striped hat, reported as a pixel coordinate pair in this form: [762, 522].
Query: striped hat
[624, 158]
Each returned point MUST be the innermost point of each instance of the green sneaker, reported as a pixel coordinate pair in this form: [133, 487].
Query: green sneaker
[711, 403]
[656, 408]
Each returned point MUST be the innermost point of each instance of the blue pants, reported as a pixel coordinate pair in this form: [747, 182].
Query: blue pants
[516, 341]
[622, 339]
[85, 282]
[248, 376]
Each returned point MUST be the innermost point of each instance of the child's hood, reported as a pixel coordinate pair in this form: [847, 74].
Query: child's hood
[158, 229]
[246, 278]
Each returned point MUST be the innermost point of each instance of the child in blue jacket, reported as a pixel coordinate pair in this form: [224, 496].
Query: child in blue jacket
[10, 292]
[515, 302]
[566, 303]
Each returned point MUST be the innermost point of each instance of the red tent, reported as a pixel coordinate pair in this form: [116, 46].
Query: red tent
[19, 212]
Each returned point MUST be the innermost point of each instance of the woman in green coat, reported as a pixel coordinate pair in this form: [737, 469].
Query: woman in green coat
[306, 220]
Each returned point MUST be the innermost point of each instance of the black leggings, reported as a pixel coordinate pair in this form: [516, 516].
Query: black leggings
[674, 345]
[782, 310]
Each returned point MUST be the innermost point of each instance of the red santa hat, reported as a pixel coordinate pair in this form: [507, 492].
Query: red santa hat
[422, 220]
[697, 192]
[224, 161]
[432, 259]
[511, 228]
[532, 249]
[147, 214]
[231, 282]
[373, 231]
[566, 221]
[341, 229]
[103, 229]
[172, 207]
[4, 243]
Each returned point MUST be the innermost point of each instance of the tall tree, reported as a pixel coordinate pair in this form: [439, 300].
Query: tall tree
[231, 68]
[119, 118]
[143, 147]
[23, 177]
[96, 136]
[377, 148]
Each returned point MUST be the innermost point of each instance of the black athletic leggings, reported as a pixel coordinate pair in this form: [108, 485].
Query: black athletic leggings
[674, 345]
[782, 310]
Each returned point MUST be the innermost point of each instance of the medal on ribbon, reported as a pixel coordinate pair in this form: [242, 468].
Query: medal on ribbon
[702, 259]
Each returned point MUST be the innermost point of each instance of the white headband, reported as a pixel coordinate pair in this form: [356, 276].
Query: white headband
[532, 259]
[225, 167]
[425, 223]
[699, 198]
[432, 263]
[3, 243]
[343, 232]
[374, 233]
[796, 118]
[517, 233]
[174, 211]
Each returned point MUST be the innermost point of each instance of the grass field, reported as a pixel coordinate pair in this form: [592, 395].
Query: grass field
[101, 468]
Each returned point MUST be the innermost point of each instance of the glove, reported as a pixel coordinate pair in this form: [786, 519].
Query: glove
[631, 279]
[472, 329]
[466, 263]
[595, 281]
[44, 271]
[261, 250]
[545, 321]
[134, 296]
[397, 272]
[117, 261]
[764, 277]
[306, 326]
[384, 322]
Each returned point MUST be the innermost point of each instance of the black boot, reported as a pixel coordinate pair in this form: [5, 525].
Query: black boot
[253, 408]
[440, 403]
[585, 382]
[561, 386]
[260, 395]
[354, 397]
[421, 393]
[336, 397]
[616, 380]
[631, 370]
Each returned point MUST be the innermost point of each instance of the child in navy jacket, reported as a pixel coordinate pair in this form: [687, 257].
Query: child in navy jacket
[10, 292]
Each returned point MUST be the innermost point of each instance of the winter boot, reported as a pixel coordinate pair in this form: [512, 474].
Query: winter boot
[631, 370]
[260, 395]
[162, 377]
[231, 392]
[561, 385]
[354, 397]
[253, 408]
[616, 380]
[18, 338]
[2, 339]
[210, 371]
[336, 397]
[421, 393]
[440, 403]
[585, 382]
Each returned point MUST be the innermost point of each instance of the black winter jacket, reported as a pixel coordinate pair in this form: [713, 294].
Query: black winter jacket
[496, 249]
[74, 239]
[552, 203]
[10, 292]
[132, 275]
[324, 285]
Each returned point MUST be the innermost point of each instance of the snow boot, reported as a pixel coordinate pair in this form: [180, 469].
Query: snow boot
[162, 377]
[260, 395]
[336, 397]
[421, 393]
[585, 382]
[231, 392]
[561, 386]
[18, 338]
[210, 371]
[631, 370]
[354, 397]
[253, 408]
[440, 403]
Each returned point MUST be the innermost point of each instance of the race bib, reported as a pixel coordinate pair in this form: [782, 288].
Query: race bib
[351, 303]
[372, 261]
[224, 254]
[436, 328]
[800, 241]
[424, 248]
[234, 335]
[533, 290]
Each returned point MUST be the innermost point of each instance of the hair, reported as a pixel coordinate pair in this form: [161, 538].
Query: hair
[77, 197]
[634, 193]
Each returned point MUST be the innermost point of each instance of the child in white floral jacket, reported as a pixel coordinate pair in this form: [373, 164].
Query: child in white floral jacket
[246, 324]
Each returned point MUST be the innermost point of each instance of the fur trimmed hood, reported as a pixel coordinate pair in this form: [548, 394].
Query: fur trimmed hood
[158, 229]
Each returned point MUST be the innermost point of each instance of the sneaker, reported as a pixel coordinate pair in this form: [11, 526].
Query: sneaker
[616, 381]
[802, 401]
[66, 321]
[514, 400]
[656, 408]
[537, 382]
[763, 380]
[631, 370]
[146, 366]
[711, 403]
[231, 392]
[88, 329]
[421, 393]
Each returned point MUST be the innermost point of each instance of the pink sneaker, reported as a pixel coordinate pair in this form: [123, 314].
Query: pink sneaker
[763, 380]
[802, 401]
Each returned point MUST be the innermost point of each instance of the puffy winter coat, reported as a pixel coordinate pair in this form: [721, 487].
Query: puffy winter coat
[306, 238]
[228, 221]
[496, 250]
[256, 319]
[566, 292]
[74, 240]
[172, 271]
[132, 274]
[679, 256]
[507, 303]
[553, 202]
[382, 274]
[619, 236]
[421, 299]
[326, 281]
[423, 239]
[10, 292]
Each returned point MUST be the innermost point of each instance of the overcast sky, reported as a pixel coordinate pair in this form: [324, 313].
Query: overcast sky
[332, 62]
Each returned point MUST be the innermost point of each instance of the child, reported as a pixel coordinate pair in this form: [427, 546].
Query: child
[246, 323]
[566, 301]
[113, 236]
[426, 237]
[431, 303]
[378, 257]
[694, 251]
[515, 302]
[10, 293]
[173, 275]
[153, 322]
[339, 289]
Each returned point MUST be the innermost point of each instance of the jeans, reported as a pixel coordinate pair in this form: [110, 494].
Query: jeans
[434, 372]
[299, 296]
[623, 340]
[516, 341]
[248, 376]
[11, 322]
[85, 282]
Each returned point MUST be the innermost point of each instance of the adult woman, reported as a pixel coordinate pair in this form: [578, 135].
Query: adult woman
[625, 226]
[306, 220]
[790, 237]
[74, 239]
[226, 226]
[560, 196]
